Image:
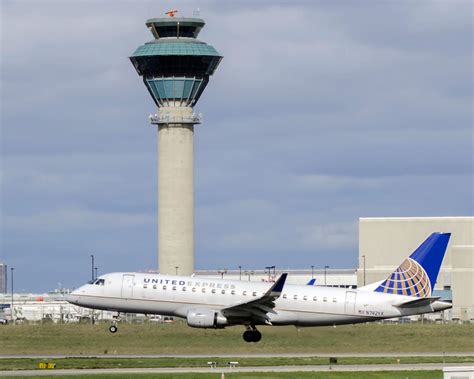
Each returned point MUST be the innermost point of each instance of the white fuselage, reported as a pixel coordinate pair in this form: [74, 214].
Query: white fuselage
[298, 305]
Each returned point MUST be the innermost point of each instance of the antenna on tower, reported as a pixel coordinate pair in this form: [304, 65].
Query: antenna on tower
[171, 13]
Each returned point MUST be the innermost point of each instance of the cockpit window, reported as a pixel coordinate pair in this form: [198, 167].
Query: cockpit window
[99, 282]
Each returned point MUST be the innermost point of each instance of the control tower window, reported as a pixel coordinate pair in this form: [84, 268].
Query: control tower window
[172, 31]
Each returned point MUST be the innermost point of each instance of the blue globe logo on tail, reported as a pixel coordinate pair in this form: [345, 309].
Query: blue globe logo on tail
[416, 276]
[409, 279]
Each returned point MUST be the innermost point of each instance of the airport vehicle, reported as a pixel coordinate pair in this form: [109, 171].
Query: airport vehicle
[218, 303]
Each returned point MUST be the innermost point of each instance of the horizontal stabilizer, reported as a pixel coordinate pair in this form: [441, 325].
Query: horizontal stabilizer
[421, 302]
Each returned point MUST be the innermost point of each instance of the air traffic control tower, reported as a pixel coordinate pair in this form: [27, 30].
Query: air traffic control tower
[175, 67]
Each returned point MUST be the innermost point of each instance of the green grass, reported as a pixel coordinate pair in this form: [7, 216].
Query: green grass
[287, 375]
[94, 363]
[177, 338]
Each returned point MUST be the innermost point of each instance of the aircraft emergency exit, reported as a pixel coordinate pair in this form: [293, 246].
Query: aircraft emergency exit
[218, 303]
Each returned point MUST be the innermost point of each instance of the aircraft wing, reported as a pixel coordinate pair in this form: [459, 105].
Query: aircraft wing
[256, 310]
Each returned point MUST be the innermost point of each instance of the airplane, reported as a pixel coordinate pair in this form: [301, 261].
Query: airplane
[218, 303]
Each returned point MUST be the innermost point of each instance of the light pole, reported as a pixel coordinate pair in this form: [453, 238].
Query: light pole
[222, 272]
[240, 272]
[268, 271]
[11, 308]
[312, 272]
[92, 266]
[95, 268]
[363, 257]
[325, 268]
[249, 273]
[176, 268]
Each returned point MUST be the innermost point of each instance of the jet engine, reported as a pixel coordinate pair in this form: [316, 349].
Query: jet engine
[206, 318]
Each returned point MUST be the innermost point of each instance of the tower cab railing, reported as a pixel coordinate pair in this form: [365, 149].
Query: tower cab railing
[162, 119]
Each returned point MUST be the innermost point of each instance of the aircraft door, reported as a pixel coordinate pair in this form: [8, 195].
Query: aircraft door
[127, 285]
[349, 305]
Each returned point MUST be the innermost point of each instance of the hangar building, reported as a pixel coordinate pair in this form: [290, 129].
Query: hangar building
[3, 278]
[385, 242]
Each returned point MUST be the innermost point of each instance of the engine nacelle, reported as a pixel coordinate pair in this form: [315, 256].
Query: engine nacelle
[206, 318]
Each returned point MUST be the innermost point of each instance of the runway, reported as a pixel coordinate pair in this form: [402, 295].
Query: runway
[346, 368]
[282, 355]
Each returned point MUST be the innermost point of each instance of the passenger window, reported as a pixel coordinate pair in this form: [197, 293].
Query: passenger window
[223, 292]
[194, 289]
[325, 299]
[315, 298]
[164, 288]
[184, 289]
[154, 286]
[305, 297]
[334, 300]
[284, 296]
[254, 293]
[232, 292]
[145, 286]
[295, 297]
[203, 290]
[244, 293]
[174, 288]
[213, 290]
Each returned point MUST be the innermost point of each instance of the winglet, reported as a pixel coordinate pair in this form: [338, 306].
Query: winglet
[277, 287]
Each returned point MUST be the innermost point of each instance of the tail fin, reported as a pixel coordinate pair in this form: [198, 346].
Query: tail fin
[416, 276]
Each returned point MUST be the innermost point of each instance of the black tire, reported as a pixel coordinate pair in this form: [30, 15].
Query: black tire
[256, 336]
[113, 329]
[248, 336]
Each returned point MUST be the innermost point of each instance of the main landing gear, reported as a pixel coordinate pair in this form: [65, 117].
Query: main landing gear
[252, 334]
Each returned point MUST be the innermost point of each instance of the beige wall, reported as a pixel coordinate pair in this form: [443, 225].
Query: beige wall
[386, 242]
[176, 193]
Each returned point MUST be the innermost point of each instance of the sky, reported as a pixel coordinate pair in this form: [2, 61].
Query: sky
[320, 113]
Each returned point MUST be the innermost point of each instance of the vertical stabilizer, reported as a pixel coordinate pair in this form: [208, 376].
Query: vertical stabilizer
[416, 276]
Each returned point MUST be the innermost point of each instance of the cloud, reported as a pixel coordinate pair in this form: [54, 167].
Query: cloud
[320, 113]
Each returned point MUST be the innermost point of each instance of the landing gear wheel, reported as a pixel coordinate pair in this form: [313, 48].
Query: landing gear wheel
[113, 329]
[256, 336]
[252, 335]
[248, 336]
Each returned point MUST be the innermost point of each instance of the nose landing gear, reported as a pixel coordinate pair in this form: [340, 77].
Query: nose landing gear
[252, 334]
[113, 328]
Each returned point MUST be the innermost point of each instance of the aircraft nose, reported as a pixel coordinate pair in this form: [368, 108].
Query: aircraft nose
[72, 298]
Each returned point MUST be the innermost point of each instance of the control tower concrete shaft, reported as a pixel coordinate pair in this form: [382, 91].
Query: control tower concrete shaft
[175, 67]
